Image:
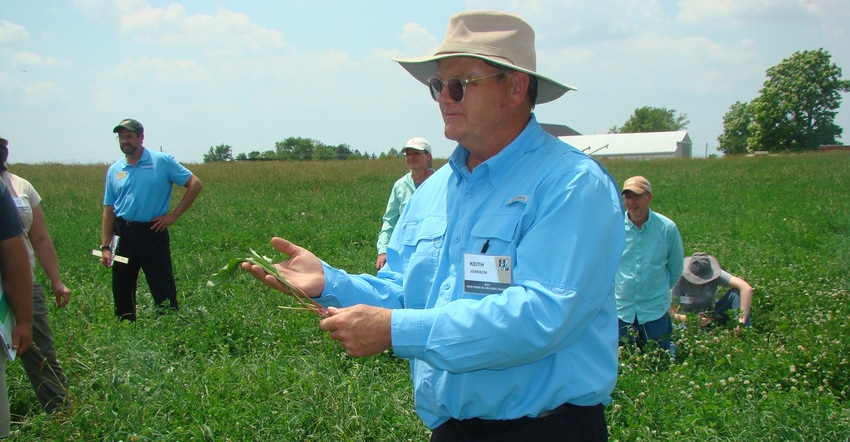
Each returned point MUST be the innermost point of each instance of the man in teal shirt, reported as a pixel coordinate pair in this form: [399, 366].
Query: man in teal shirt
[651, 264]
[498, 285]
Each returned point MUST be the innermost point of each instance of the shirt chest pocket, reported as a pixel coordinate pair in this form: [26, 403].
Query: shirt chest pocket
[496, 234]
[422, 241]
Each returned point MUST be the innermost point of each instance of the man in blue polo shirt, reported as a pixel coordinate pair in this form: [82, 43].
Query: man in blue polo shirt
[136, 206]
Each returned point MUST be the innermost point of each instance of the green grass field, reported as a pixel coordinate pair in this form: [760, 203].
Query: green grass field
[232, 366]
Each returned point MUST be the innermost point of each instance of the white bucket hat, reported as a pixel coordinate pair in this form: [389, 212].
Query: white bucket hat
[497, 37]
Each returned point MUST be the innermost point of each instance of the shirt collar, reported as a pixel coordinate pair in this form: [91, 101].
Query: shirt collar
[527, 140]
[144, 159]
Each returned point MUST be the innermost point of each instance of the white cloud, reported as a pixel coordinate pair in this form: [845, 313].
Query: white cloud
[25, 60]
[11, 33]
[417, 41]
[226, 33]
[42, 94]
[159, 70]
[742, 13]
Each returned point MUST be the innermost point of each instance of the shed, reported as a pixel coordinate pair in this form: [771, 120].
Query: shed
[644, 145]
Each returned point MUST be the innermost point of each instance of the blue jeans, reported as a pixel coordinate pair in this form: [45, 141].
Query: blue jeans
[730, 301]
[658, 330]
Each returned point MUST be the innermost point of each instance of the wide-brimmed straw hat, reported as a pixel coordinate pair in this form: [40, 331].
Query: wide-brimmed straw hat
[701, 268]
[498, 37]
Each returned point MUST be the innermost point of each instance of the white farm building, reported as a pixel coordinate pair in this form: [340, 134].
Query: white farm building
[646, 145]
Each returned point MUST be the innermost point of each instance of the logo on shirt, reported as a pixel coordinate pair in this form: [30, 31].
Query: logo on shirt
[520, 198]
[121, 175]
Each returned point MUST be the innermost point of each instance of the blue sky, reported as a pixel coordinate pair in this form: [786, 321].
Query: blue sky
[249, 73]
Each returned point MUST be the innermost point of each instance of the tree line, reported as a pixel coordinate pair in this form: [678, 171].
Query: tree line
[295, 149]
[794, 112]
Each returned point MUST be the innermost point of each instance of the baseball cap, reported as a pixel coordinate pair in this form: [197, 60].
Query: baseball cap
[638, 185]
[417, 143]
[131, 125]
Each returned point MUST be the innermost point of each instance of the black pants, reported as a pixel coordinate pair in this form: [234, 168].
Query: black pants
[146, 250]
[573, 423]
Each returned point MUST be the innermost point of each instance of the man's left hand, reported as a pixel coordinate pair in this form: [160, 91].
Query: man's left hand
[160, 223]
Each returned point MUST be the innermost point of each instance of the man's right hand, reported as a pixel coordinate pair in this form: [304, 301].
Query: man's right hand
[303, 269]
[106, 257]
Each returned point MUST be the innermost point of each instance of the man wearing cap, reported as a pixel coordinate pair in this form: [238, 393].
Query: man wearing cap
[136, 207]
[650, 266]
[498, 285]
[696, 290]
[417, 154]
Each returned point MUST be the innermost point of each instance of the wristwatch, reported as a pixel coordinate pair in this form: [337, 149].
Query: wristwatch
[102, 248]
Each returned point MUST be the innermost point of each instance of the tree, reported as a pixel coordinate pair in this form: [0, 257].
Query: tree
[795, 111]
[324, 153]
[296, 148]
[220, 153]
[652, 119]
[798, 104]
[343, 151]
[736, 129]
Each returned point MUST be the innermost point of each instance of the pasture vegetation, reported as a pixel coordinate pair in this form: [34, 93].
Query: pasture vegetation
[232, 366]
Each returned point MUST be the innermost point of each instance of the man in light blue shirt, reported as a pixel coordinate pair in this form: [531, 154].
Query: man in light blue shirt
[498, 285]
[136, 204]
[651, 264]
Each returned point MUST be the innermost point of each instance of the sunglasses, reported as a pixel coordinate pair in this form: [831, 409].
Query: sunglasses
[456, 86]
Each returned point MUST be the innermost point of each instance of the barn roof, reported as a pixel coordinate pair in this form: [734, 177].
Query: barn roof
[645, 143]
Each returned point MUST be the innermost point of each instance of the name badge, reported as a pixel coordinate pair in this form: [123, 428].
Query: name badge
[21, 204]
[686, 300]
[121, 175]
[486, 274]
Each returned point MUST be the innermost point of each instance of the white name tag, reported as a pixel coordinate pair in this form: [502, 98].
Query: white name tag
[686, 300]
[486, 274]
[21, 204]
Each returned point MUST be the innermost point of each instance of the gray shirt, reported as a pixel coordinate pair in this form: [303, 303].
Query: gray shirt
[693, 298]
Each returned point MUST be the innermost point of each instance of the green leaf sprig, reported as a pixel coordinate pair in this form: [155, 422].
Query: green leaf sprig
[229, 270]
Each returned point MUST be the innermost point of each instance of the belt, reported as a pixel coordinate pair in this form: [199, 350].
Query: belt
[476, 427]
[131, 224]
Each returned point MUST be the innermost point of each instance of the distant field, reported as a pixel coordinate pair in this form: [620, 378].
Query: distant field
[232, 366]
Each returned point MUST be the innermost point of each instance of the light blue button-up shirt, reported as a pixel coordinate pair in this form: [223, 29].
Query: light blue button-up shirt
[142, 192]
[652, 262]
[551, 336]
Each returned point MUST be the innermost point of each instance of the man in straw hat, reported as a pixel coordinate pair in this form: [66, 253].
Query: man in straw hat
[696, 290]
[498, 285]
[650, 266]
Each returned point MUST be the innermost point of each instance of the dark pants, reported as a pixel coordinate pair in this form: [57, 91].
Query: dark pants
[573, 423]
[43, 370]
[730, 301]
[149, 251]
[658, 330]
